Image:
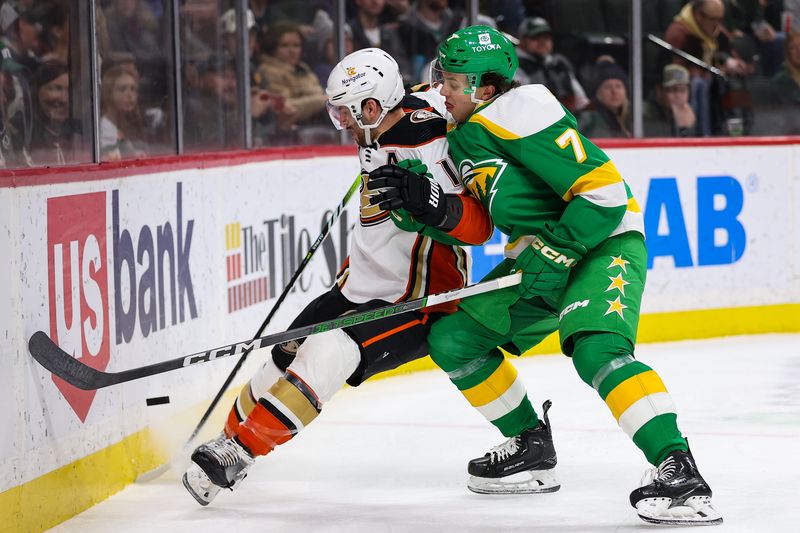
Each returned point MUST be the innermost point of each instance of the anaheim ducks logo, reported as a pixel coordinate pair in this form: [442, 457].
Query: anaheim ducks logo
[481, 178]
[421, 115]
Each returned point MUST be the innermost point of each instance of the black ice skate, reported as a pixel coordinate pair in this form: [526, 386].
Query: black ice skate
[218, 464]
[524, 464]
[675, 494]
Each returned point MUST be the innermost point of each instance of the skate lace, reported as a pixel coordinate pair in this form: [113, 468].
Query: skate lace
[505, 450]
[663, 473]
[227, 452]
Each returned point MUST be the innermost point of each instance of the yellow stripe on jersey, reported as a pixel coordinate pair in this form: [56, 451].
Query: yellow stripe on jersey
[496, 129]
[492, 387]
[632, 390]
[602, 176]
[633, 205]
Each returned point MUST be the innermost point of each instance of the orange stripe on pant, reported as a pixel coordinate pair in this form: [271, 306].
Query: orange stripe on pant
[392, 331]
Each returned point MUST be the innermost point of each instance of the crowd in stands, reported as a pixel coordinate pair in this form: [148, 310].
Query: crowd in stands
[739, 72]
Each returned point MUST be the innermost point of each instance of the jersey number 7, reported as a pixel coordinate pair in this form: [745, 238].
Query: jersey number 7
[571, 137]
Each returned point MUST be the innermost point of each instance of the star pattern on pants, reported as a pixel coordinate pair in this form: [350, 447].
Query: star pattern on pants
[615, 306]
[620, 262]
[617, 283]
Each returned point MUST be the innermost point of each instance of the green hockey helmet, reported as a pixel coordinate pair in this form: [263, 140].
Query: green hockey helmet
[475, 51]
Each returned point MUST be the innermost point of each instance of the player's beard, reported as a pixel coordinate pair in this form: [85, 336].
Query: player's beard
[357, 134]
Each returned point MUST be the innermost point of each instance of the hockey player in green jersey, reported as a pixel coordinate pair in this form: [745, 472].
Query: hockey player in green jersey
[576, 233]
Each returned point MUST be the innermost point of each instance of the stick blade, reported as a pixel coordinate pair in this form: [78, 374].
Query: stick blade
[61, 364]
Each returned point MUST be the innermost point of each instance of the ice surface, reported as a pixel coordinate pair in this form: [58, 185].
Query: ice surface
[391, 455]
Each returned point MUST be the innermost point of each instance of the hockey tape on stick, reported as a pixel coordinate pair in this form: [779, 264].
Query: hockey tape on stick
[322, 236]
[73, 371]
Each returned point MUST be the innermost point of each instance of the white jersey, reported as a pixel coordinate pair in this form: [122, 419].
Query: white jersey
[385, 262]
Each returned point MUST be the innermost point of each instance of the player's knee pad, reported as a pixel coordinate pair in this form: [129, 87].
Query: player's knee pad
[597, 354]
[325, 361]
[445, 348]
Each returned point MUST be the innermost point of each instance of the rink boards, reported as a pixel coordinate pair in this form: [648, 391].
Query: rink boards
[130, 266]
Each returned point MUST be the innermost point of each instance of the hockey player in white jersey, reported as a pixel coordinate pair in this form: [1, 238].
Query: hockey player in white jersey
[385, 265]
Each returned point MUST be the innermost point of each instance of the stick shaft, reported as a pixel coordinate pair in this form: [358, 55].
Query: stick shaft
[63, 365]
[688, 57]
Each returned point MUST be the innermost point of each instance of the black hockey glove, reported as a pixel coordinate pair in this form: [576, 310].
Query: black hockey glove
[402, 187]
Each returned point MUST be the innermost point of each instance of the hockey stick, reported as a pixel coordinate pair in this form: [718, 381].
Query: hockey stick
[323, 234]
[688, 57]
[71, 370]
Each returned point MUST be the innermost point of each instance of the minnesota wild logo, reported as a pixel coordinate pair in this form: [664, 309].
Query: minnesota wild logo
[481, 178]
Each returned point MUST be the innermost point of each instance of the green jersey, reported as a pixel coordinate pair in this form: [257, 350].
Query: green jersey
[523, 157]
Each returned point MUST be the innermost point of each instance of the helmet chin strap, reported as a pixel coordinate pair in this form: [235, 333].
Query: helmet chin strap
[475, 100]
[472, 79]
[368, 135]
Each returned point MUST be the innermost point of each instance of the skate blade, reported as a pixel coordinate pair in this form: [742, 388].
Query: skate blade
[528, 482]
[696, 511]
[203, 495]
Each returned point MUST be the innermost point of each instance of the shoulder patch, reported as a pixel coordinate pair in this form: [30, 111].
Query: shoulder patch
[421, 115]
[411, 133]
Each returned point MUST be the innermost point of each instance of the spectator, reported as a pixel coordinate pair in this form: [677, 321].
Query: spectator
[10, 143]
[121, 124]
[509, 14]
[55, 35]
[133, 28]
[101, 34]
[199, 21]
[212, 117]
[261, 15]
[21, 44]
[669, 114]
[303, 14]
[325, 52]
[696, 31]
[368, 32]
[750, 24]
[22, 35]
[227, 29]
[538, 64]
[786, 83]
[287, 76]
[56, 137]
[611, 116]
[792, 14]
[426, 24]
[393, 10]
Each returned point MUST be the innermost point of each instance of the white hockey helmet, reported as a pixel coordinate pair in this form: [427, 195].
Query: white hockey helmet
[366, 73]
